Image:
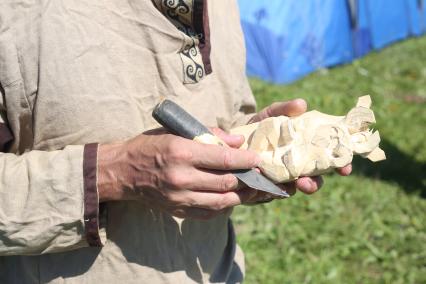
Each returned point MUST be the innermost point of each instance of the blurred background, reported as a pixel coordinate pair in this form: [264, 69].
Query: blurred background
[369, 227]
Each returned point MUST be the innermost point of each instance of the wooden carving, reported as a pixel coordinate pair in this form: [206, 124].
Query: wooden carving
[312, 143]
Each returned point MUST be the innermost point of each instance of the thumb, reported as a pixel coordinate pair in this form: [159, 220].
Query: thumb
[234, 141]
[289, 108]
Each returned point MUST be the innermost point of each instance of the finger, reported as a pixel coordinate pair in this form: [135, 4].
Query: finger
[210, 200]
[309, 185]
[234, 141]
[222, 158]
[345, 171]
[207, 180]
[290, 108]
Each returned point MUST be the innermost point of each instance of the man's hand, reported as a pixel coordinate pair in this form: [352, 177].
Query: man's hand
[295, 107]
[180, 176]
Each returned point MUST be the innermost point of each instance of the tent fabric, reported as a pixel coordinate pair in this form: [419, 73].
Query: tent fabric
[423, 16]
[361, 29]
[415, 17]
[388, 21]
[381, 22]
[286, 40]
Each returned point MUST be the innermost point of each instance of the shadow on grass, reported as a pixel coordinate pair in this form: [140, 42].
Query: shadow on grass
[398, 167]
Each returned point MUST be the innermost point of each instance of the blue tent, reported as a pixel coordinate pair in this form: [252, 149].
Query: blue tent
[415, 17]
[389, 21]
[361, 28]
[423, 16]
[286, 40]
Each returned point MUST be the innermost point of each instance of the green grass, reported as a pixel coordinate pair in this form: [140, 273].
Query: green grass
[366, 228]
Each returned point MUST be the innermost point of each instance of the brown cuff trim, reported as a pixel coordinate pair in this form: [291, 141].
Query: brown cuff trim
[202, 27]
[91, 198]
[5, 137]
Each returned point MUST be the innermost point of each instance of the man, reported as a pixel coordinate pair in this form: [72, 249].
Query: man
[87, 193]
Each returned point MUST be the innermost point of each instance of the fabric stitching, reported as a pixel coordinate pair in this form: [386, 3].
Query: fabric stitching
[192, 57]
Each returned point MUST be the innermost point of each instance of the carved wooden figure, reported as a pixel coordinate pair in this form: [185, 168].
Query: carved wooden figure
[312, 143]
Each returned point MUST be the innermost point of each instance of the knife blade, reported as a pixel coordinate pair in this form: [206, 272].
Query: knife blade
[178, 121]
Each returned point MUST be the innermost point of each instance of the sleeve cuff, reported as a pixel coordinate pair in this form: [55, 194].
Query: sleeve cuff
[91, 197]
[5, 137]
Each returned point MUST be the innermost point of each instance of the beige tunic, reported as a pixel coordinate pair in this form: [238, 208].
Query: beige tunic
[79, 72]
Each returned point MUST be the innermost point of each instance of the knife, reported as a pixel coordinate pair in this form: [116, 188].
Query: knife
[178, 121]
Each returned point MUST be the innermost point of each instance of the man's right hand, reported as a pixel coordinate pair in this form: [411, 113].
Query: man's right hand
[180, 176]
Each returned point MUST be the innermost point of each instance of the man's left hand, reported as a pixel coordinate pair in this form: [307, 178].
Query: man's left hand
[307, 185]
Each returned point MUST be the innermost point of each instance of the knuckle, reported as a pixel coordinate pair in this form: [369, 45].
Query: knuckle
[174, 179]
[179, 152]
[227, 159]
[253, 160]
[220, 204]
[229, 182]
[172, 146]
[217, 206]
[190, 201]
[269, 110]
[183, 155]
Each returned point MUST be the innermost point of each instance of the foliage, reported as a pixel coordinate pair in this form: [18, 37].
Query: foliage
[366, 228]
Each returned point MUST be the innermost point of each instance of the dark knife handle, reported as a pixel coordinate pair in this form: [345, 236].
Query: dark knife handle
[181, 123]
[177, 120]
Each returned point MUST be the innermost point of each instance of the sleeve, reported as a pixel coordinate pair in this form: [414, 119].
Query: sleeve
[48, 200]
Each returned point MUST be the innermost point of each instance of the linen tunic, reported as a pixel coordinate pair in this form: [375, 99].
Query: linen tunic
[77, 73]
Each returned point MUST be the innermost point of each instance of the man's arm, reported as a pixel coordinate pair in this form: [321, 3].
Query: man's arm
[45, 202]
[48, 201]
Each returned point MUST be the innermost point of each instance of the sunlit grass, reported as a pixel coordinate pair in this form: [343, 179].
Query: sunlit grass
[366, 228]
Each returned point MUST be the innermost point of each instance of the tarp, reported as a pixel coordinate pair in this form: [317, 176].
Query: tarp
[361, 28]
[381, 22]
[415, 17]
[423, 4]
[388, 21]
[288, 39]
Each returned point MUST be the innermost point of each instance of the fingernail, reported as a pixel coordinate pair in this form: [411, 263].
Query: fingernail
[237, 137]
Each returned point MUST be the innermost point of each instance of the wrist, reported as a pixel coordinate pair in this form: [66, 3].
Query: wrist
[110, 158]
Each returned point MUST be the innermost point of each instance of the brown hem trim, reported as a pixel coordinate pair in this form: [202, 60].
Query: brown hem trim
[6, 137]
[202, 28]
[91, 198]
